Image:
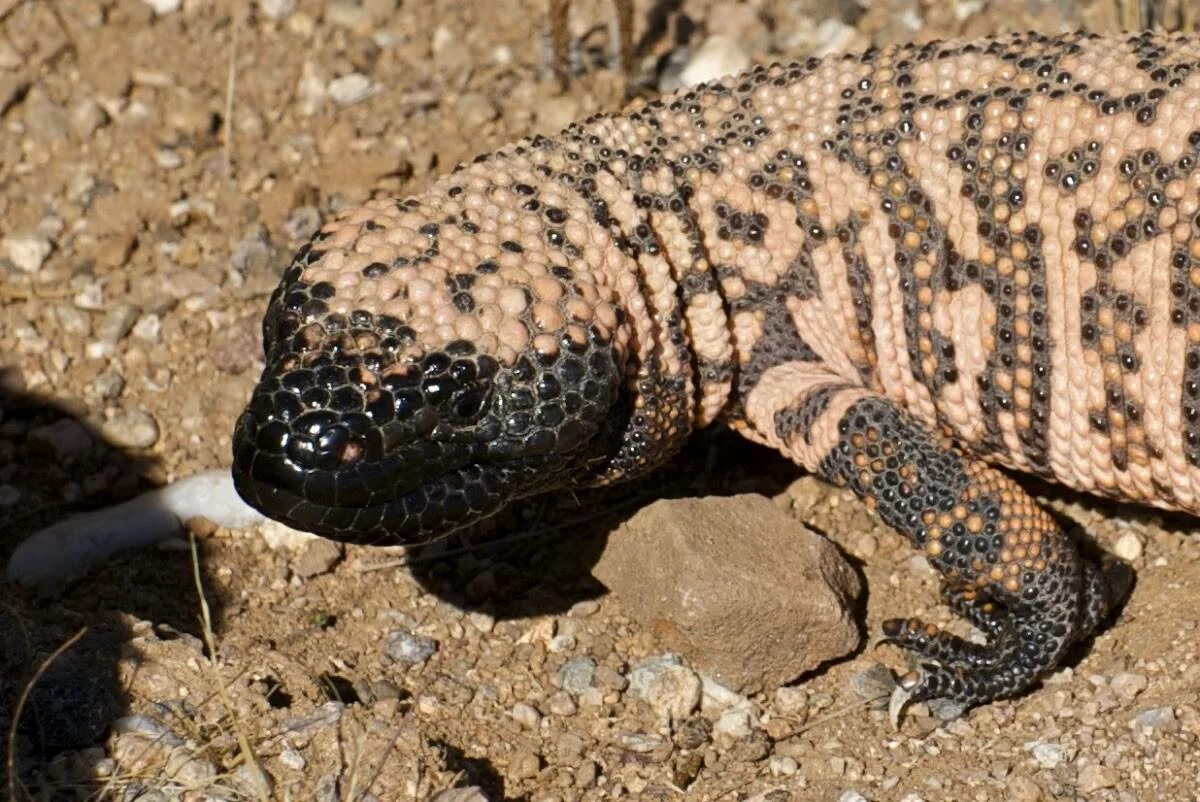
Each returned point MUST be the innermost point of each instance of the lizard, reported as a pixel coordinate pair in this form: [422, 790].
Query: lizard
[911, 270]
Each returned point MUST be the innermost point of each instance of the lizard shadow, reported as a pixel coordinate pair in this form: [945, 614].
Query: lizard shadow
[66, 653]
[536, 557]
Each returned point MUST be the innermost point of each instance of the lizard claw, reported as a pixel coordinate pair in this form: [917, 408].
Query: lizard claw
[906, 686]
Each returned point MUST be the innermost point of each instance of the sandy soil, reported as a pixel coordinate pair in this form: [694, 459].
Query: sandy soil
[155, 172]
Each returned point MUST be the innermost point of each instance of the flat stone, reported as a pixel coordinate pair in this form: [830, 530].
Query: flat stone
[744, 592]
[318, 557]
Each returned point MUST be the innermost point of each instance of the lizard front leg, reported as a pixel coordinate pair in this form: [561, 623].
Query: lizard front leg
[1009, 564]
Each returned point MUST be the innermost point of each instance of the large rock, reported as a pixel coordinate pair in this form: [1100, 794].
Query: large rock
[746, 593]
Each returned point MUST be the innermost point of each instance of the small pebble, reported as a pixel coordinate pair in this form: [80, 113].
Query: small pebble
[561, 704]
[1128, 686]
[733, 725]
[526, 715]
[783, 766]
[109, 384]
[875, 684]
[639, 743]
[1128, 547]
[131, 428]
[87, 116]
[277, 9]
[576, 674]
[292, 759]
[148, 328]
[27, 251]
[117, 322]
[168, 158]
[1157, 718]
[524, 765]
[405, 646]
[164, 7]
[470, 793]
[562, 643]
[318, 557]
[1048, 755]
[349, 89]
[852, 796]
[90, 297]
[668, 687]
[1095, 777]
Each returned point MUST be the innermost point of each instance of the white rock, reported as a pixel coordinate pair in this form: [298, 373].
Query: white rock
[670, 688]
[277, 9]
[27, 251]
[1048, 755]
[733, 724]
[164, 7]
[1128, 547]
[717, 56]
[350, 89]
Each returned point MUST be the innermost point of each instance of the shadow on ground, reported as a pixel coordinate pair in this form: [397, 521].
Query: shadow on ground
[52, 465]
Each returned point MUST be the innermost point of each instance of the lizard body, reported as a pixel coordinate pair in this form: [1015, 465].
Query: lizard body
[900, 268]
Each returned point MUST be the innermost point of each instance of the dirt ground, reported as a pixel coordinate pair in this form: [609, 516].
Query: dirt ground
[156, 170]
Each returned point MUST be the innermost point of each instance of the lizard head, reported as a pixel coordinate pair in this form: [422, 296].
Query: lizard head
[417, 380]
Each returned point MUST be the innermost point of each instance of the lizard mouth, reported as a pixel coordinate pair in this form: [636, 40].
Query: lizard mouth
[429, 452]
[371, 503]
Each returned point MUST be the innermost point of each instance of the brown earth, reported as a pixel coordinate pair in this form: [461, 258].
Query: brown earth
[155, 172]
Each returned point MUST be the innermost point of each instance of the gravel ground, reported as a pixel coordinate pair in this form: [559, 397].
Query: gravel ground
[159, 161]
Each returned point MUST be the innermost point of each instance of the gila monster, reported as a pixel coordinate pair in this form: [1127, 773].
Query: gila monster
[901, 268]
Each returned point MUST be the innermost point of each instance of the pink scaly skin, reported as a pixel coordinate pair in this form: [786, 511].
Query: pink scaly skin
[899, 268]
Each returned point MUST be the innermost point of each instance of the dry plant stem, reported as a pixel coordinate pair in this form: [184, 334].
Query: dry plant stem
[11, 758]
[210, 642]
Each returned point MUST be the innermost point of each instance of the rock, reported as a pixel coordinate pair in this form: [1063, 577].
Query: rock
[561, 704]
[1048, 755]
[164, 7]
[292, 759]
[87, 116]
[318, 557]
[471, 793]
[717, 56]
[715, 698]
[1157, 718]
[131, 428]
[526, 715]
[308, 725]
[524, 765]
[577, 674]
[27, 251]
[349, 89]
[733, 725]
[745, 592]
[1127, 685]
[44, 119]
[1095, 777]
[874, 684]
[783, 766]
[670, 688]
[405, 646]
[1128, 547]
[277, 9]
[117, 322]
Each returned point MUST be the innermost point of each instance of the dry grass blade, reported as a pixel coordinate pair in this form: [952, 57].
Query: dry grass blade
[11, 757]
[210, 641]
